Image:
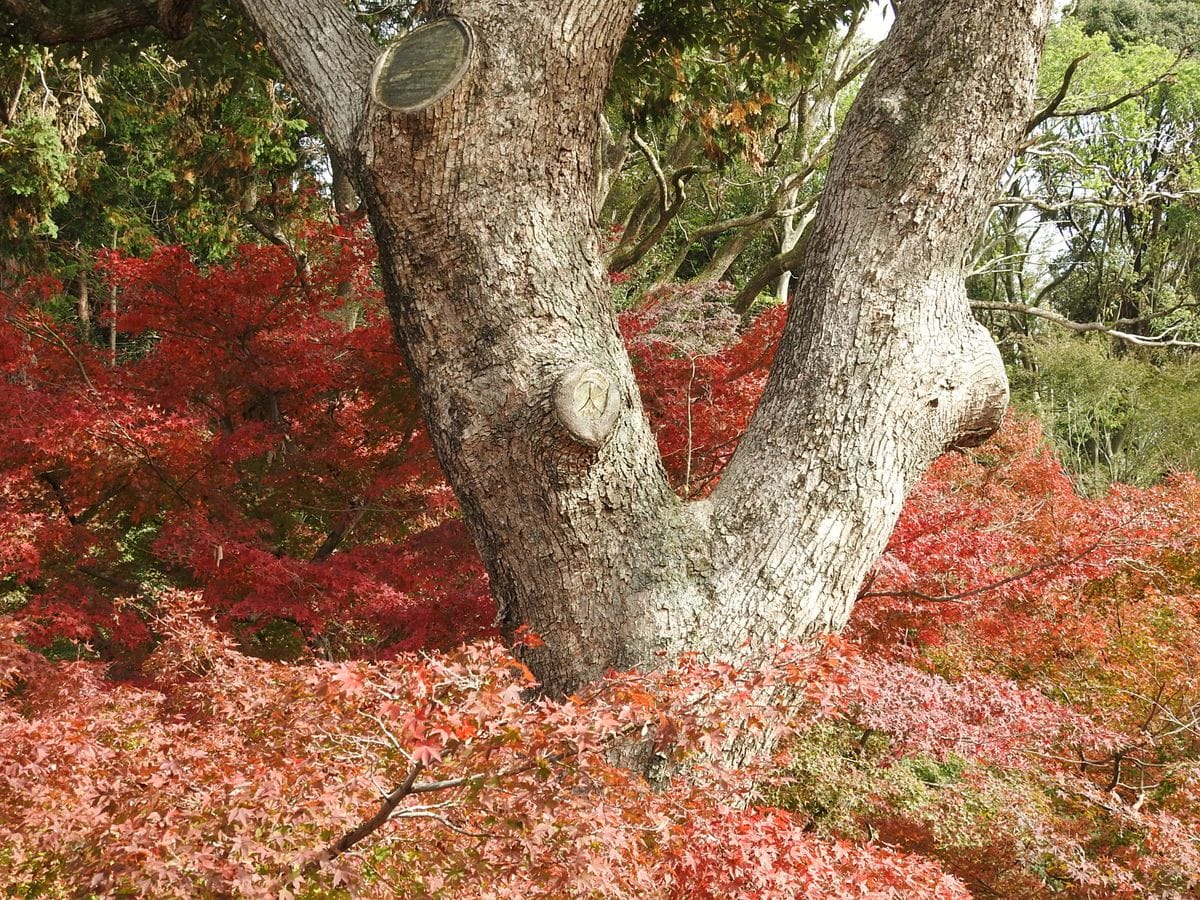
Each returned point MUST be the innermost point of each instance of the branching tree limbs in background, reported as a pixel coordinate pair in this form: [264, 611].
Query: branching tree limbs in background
[483, 205]
[1106, 183]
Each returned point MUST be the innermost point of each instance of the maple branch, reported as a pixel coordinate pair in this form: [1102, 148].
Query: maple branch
[986, 588]
[335, 537]
[123, 584]
[268, 226]
[51, 478]
[54, 338]
[429, 787]
[411, 787]
[35, 21]
[109, 493]
[368, 826]
[427, 813]
[136, 447]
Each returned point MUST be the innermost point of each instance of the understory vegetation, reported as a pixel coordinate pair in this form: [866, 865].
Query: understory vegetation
[1012, 712]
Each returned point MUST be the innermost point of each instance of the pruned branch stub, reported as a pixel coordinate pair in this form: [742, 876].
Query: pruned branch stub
[423, 66]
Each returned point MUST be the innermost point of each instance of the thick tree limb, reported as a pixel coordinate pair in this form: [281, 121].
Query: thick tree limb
[39, 24]
[767, 274]
[650, 199]
[880, 366]
[327, 57]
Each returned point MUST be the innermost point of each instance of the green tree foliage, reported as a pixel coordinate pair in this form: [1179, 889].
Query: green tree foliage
[40, 135]
[1114, 417]
[1133, 168]
[716, 50]
[125, 146]
[726, 145]
[1169, 23]
[1100, 224]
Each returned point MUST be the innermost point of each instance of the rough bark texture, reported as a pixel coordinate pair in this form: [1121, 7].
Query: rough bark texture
[499, 293]
[882, 366]
[483, 204]
[327, 57]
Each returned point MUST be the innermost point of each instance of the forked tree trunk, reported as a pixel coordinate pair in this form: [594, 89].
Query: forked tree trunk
[483, 207]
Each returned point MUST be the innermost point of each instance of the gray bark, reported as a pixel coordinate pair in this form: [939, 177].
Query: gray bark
[881, 366]
[483, 207]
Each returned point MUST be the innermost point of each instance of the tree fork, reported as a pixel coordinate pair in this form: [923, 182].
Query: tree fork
[482, 204]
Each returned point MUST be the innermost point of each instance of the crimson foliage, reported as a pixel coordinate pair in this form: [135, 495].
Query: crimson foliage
[1014, 711]
[241, 435]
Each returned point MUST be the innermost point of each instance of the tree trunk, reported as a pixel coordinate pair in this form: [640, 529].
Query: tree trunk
[727, 253]
[881, 366]
[482, 204]
[83, 303]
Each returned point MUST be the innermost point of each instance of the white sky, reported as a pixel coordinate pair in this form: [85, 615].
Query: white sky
[878, 21]
[879, 18]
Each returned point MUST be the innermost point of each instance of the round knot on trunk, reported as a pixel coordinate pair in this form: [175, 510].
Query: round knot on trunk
[587, 403]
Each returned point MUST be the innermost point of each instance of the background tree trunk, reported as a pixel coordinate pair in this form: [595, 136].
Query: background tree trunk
[483, 208]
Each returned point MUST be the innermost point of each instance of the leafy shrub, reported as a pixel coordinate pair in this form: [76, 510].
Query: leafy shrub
[1113, 418]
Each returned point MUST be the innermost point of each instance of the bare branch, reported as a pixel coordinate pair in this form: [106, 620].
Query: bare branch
[1061, 94]
[664, 201]
[1163, 340]
[986, 588]
[1114, 103]
[1123, 202]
